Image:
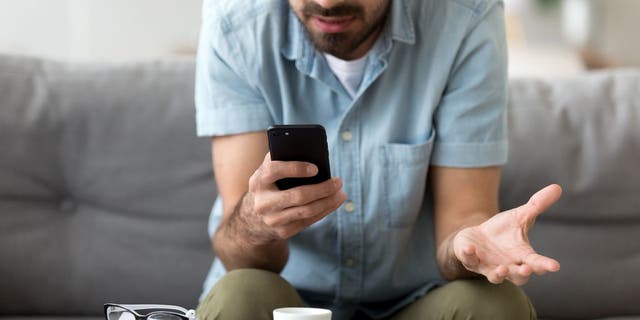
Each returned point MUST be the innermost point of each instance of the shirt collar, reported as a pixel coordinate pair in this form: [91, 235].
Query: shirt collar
[400, 27]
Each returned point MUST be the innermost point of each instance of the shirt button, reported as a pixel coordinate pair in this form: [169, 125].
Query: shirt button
[349, 207]
[347, 136]
[350, 262]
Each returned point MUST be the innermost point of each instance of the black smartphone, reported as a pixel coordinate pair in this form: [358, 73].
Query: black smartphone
[306, 143]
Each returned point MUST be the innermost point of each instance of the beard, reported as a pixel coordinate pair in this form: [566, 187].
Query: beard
[343, 43]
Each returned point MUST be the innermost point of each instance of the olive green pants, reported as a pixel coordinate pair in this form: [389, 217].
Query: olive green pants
[251, 294]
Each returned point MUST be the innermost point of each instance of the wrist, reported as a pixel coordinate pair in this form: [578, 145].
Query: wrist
[239, 245]
[450, 266]
[246, 227]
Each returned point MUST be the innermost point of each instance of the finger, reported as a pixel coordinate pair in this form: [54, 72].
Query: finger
[516, 270]
[469, 258]
[302, 195]
[342, 197]
[525, 270]
[502, 271]
[540, 201]
[518, 280]
[296, 227]
[255, 181]
[272, 171]
[496, 276]
[541, 264]
[318, 208]
[519, 274]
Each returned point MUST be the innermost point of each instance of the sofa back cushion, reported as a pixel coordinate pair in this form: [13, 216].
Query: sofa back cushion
[105, 191]
[583, 133]
[104, 188]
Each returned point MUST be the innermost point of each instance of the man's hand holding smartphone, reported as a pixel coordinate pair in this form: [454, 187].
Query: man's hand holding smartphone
[271, 214]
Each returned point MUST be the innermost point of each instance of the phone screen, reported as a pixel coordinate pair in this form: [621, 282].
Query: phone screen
[306, 143]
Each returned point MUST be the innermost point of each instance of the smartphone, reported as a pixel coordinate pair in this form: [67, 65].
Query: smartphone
[306, 143]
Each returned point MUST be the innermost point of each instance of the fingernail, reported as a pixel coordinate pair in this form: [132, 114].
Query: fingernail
[311, 169]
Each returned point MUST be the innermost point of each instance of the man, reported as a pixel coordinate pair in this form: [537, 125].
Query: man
[404, 88]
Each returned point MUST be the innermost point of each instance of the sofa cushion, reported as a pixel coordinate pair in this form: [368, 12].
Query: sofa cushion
[583, 133]
[104, 191]
[104, 188]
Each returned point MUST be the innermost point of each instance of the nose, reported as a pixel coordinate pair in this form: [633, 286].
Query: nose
[328, 3]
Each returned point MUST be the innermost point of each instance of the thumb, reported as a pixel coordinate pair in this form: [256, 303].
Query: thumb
[541, 201]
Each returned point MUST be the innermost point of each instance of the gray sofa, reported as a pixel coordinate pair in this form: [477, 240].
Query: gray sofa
[105, 191]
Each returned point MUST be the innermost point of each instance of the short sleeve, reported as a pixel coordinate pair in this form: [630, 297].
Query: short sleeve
[226, 101]
[470, 121]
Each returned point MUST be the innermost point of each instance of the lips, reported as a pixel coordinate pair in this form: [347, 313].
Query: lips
[332, 24]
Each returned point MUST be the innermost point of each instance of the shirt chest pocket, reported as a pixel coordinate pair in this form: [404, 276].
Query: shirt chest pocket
[405, 168]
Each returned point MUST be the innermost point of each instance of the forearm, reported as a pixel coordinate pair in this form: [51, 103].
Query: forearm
[237, 246]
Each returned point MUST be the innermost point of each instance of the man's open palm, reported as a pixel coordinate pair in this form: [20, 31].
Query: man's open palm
[499, 248]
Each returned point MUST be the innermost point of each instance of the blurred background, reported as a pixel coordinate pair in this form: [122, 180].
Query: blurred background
[546, 37]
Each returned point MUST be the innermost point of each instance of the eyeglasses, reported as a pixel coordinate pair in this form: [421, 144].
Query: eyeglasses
[114, 311]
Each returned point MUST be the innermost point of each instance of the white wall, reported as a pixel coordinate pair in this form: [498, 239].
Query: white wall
[34, 27]
[618, 33]
[118, 30]
[608, 28]
[106, 30]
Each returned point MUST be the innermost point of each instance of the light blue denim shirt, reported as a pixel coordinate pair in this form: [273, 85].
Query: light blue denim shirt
[433, 93]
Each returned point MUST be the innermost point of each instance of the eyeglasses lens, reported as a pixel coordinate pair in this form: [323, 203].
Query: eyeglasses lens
[163, 316]
[118, 313]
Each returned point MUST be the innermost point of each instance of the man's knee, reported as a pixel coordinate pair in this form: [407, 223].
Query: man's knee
[248, 294]
[479, 299]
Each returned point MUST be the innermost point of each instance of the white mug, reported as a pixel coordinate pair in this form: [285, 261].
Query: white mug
[301, 314]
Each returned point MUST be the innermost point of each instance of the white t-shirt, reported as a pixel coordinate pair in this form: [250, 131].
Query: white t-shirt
[349, 73]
